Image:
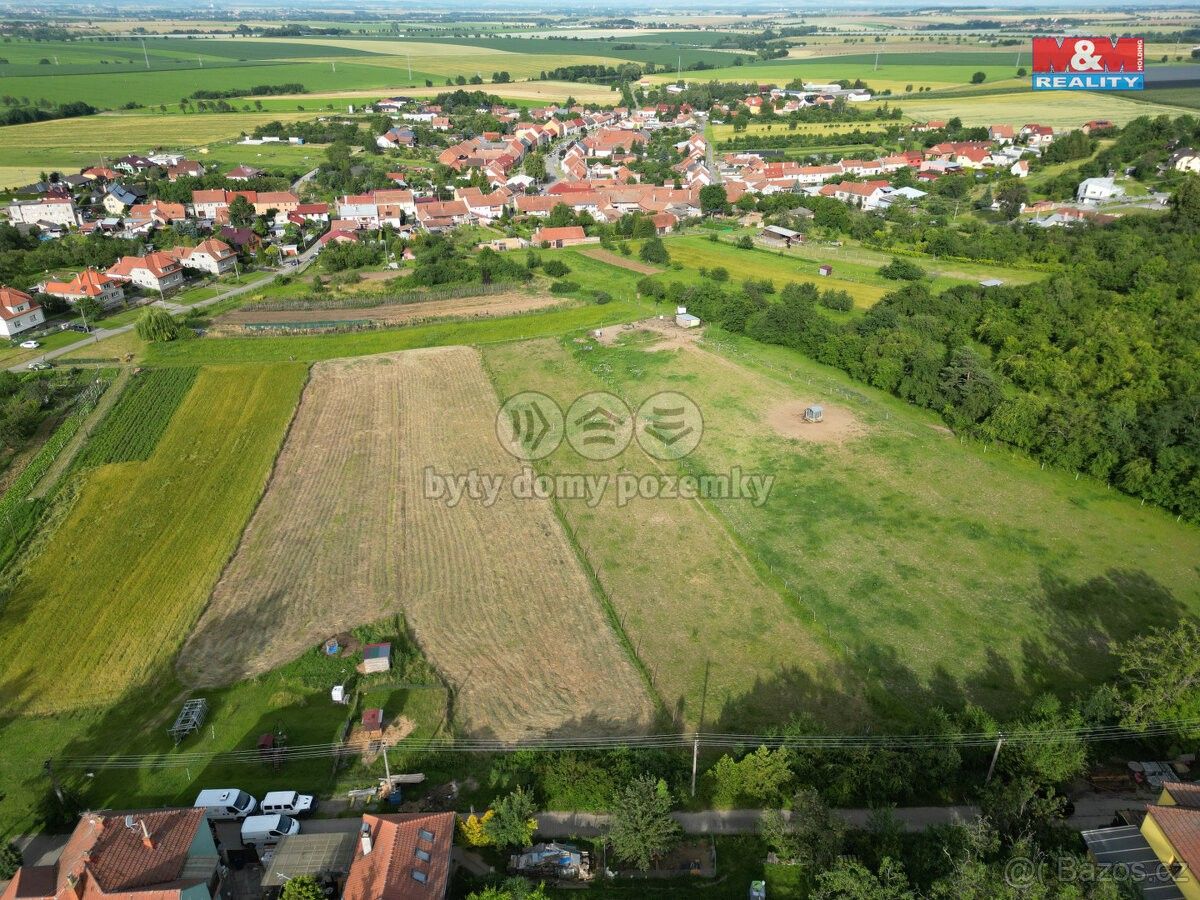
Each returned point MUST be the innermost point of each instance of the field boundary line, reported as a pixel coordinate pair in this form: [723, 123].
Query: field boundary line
[585, 564]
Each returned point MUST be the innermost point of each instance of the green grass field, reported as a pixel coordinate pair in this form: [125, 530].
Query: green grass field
[175, 532]
[932, 572]
[1060, 109]
[56, 143]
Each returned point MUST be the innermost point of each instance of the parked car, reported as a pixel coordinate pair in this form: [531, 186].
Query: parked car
[288, 803]
[40, 366]
[263, 831]
[30, 345]
[226, 803]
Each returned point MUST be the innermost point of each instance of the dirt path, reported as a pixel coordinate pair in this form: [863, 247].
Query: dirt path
[64, 459]
[505, 304]
[616, 259]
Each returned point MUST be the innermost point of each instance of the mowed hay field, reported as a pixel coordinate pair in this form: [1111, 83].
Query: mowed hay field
[1059, 109]
[344, 535]
[936, 572]
[102, 608]
[723, 647]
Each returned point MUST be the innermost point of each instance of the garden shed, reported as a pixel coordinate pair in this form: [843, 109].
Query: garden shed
[377, 658]
[825, 270]
[372, 719]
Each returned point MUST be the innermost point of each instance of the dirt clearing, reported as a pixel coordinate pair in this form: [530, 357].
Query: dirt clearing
[616, 259]
[346, 535]
[652, 335]
[506, 304]
[837, 424]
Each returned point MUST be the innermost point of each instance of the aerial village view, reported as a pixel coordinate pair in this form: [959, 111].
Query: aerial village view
[500, 452]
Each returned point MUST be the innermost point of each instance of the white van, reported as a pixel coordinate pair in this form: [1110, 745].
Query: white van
[226, 803]
[263, 831]
[289, 803]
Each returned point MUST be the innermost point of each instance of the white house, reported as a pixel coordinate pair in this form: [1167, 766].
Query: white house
[18, 312]
[154, 271]
[211, 256]
[54, 211]
[1095, 190]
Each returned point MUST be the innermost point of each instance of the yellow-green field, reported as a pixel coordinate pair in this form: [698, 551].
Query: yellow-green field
[1060, 109]
[58, 143]
[130, 602]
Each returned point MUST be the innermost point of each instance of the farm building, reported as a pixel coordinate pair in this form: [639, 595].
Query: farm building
[778, 236]
[567, 236]
[377, 658]
[685, 319]
[825, 270]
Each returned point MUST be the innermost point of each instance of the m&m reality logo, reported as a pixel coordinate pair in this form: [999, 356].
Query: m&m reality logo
[1089, 64]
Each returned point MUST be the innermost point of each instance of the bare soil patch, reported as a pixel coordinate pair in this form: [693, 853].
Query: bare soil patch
[347, 534]
[837, 426]
[505, 304]
[656, 334]
[616, 259]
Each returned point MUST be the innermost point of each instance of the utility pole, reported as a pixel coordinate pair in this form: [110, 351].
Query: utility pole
[387, 769]
[695, 760]
[995, 756]
[145, 53]
[408, 59]
[876, 61]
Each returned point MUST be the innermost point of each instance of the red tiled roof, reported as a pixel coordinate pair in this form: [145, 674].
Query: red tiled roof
[89, 283]
[393, 870]
[1181, 826]
[10, 297]
[1184, 793]
[566, 233]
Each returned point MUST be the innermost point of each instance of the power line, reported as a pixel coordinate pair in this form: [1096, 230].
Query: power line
[686, 740]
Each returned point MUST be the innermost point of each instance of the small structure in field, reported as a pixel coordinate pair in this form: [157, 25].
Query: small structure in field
[191, 717]
[778, 236]
[813, 413]
[991, 282]
[825, 270]
[372, 719]
[685, 319]
[338, 694]
[377, 658]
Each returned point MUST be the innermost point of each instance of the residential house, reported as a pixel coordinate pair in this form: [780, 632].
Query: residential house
[1097, 125]
[132, 164]
[57, 212]
[863, 194]
[212, 256]
[1001, 134]
[244, 239]
[243, 173]
[157, 212]
[1186, 160]
[88, 283]
[1020, 168]
[664, 222]
[1037, 135]
[185, 168]
[161, 854]
[1097, 190]
[567, 236]
[1164, 850]
[404, 856]
[396, 137]
[155, 271]
[118, 198]
[18, 312]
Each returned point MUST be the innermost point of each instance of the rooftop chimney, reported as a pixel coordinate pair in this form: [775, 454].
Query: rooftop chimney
[365, 839]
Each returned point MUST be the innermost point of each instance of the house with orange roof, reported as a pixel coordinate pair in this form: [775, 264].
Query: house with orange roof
[18, 312]
[155, 271]
[212, 256]
[88, 283]
[403, 856]
[162, 854]
[557, 238]
[157, 212]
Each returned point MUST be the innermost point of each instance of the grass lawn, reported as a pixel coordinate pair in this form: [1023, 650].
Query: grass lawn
[179, 515]
[694, 251]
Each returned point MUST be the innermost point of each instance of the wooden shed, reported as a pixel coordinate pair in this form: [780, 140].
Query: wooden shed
[377, 658]
[825, 270]
[372, 719]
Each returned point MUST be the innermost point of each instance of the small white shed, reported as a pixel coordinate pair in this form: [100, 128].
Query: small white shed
[684, 319]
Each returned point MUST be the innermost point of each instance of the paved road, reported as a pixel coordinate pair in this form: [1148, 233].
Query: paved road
[101, 333]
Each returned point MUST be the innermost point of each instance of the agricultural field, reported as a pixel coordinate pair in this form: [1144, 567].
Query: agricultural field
[355, 461]
[56, 143]
[135, 426]
[1059, 109]
[179, 512]
[919, 570]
